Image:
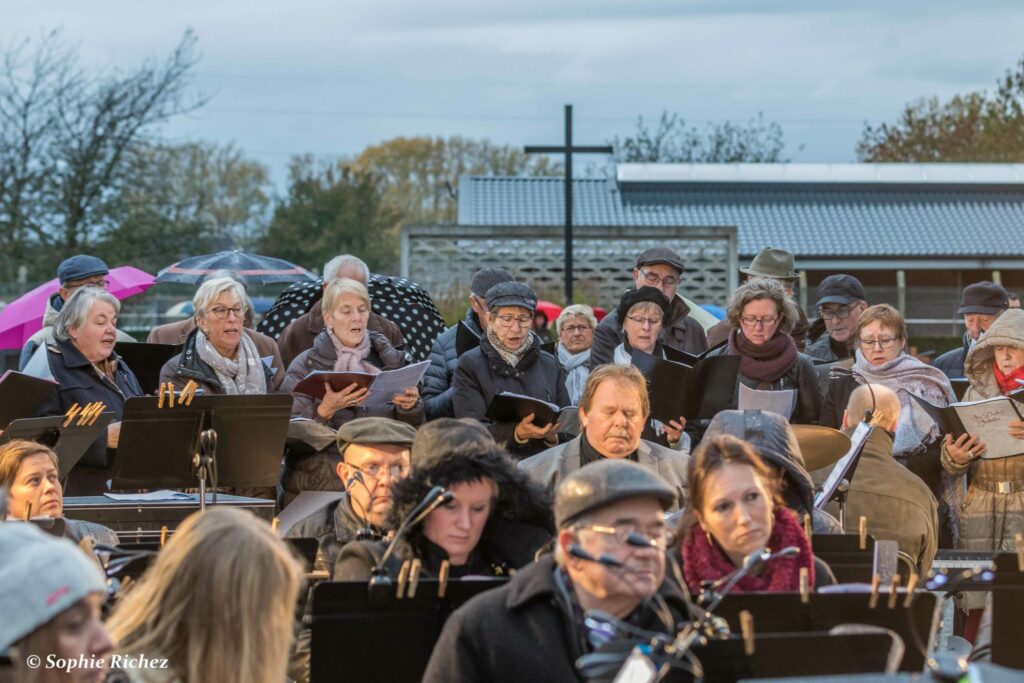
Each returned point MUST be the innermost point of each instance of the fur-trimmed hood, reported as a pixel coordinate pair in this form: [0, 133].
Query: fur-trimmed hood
[1007, 330]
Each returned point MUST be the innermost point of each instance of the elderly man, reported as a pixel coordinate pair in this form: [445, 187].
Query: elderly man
[444, 357]
[575, 328]
[658, 267]
[613, 411]
[533, 628]
[73, 273]
[772, 264]
[841, 300]
[980, 304]
[898, 505]
[1013, 299]
[301, 332]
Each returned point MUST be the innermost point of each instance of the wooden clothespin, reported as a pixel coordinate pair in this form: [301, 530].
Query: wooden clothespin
[805, 585]
[275, 523]
[170, 395]
[876, 581]
[28, 512]
[72, 412]
[808, 526]
[414, 578]
[160, 396]
[747, 627]
[1018, 540]
[863, 532]
[442, 579]
[188, 393]
[403, 576]
[99, 411]
[911, 587]
[894, 590]
[163, 536]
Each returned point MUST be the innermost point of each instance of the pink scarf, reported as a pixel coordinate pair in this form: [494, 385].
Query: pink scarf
[352, 359]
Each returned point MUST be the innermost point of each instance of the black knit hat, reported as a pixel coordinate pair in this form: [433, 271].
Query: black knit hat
[635, 296]
[985, 297]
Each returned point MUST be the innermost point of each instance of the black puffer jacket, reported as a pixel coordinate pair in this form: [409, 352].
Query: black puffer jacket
[482, 374]
[519, 524]
[774, 440]
[801, 377]
[437, 383]
[187, 365]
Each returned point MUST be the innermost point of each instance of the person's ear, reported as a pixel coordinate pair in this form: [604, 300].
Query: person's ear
[343, 473]
[846, 419]
[581, 415]
[566, 538]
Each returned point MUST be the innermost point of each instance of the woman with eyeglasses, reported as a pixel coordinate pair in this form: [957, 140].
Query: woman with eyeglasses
[642, 312]
[881, 358]
[346, 345]
[762, 315]
[495, 522]
[735, 509]
[82, 361]
[509, 359]
[219, 354]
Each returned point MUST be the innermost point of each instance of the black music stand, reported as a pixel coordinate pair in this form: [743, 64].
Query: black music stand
[1007, 608]
[240, 438]
[843, 554]
[786, 613]
[371, 642]
[69, 442]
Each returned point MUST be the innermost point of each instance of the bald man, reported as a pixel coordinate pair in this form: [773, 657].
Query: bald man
[898, 505]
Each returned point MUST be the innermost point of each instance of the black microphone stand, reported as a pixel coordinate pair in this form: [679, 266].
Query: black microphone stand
[436, 497]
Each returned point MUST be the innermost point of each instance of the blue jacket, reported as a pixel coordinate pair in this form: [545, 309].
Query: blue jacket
[437, 383]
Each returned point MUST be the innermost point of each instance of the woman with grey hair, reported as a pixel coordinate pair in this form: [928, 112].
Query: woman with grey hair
[220, 354]
[83, 363]
[761, 317]
[575, 328]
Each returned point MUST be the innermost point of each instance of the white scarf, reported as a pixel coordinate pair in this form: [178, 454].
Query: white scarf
[576, 371]
[243, 375]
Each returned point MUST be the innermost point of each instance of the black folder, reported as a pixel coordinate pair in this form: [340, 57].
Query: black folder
[697, 392]
[69, 443]
[146, 361]
[21, 395]
[465, 339]
[509, 407]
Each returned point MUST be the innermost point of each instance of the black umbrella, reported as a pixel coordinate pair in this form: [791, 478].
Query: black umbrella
[398, 299]
[252, 268]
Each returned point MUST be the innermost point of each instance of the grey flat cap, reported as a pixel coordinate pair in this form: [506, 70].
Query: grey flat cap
[375, 430]
[605, 482]
[511, 294]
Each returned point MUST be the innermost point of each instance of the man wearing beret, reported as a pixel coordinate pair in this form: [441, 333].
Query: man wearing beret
[980, 304]
[659, 267]
[609, 557]
[78, 271]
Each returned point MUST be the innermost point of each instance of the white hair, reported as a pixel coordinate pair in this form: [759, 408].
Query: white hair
[75, 311]
[348, 262]
[332, 295]
[211, 289]
[574, 311]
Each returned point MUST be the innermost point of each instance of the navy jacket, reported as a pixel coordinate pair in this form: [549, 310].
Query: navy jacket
[437, 383]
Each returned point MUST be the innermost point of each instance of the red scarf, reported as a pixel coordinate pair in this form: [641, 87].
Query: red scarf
[767, 362]
[1008, 383]
[704, 561]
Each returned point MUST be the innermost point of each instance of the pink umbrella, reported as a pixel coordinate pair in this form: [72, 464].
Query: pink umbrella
[22, 318]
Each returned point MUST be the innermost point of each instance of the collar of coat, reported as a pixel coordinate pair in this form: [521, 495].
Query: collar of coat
[390, 357]
[73, 358]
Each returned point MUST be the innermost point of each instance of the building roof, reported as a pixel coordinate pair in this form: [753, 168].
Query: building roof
[817, 211]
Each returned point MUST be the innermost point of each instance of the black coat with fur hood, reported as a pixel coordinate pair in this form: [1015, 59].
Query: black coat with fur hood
[520, 522]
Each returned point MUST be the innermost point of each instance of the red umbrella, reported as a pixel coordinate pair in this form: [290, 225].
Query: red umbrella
[23, 317]
[552, 311]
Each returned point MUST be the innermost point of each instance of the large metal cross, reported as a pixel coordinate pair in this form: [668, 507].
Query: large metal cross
[568, 150]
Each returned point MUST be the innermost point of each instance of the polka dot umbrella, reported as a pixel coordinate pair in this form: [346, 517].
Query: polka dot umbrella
[398, 299]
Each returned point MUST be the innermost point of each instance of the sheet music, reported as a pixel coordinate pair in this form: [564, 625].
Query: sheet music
[163, 494]
[989, 420]
[779, 402]
[393, 382]
[842, 466]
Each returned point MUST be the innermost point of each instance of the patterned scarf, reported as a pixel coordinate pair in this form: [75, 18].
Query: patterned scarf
[352, 359]
[576, 371]
[704, 561]
[243, 375]
[511, 356]
[766, 362]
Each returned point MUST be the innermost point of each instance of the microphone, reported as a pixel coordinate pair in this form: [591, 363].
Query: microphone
[751, 562]
[436, 497]
[607, 560]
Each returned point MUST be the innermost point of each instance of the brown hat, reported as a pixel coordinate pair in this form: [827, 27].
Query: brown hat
[669, 257]
[374, 430]
[985, 297]
[773, 263]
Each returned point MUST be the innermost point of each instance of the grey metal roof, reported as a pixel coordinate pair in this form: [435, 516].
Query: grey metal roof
[948, 218]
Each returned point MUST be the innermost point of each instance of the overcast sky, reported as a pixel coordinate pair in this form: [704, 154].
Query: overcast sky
[330, 77]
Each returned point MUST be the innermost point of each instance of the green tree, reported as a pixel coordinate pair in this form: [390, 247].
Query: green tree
[976, 127]
[332, 209]
[420, 175]
[672, 141]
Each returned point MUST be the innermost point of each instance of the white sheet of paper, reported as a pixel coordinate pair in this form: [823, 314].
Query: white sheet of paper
[162, 494]
[305, 504]
[392, 382]
[989, 419]
[778, 402]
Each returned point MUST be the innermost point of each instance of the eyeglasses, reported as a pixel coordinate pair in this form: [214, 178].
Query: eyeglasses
[630, 534]
[881, 342]
[376, 472]
[751, 321]
[654, 279]
[843, 312]
[102, 284]
[222, 312]
[573, 329]
[640, 320]
[510, 320]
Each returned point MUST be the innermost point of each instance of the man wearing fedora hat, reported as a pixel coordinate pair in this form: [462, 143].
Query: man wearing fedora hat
[775, 264]
[980, 304]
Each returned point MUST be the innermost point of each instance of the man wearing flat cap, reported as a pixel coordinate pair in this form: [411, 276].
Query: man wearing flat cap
[509, 359]
[841, 300]
[659, 267]
[444, 357]
[980, 304]
[72, 274]
[609, 557]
